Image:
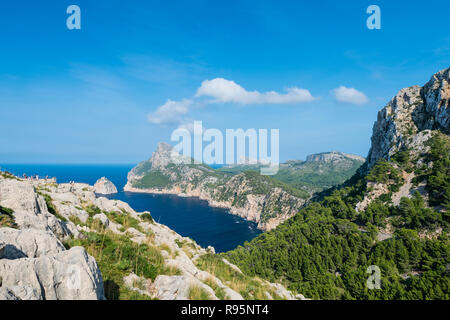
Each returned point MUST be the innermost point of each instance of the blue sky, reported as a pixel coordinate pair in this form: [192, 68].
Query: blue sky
[92, 95]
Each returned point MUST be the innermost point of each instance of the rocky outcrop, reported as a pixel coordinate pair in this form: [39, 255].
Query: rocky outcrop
[67, 275]
[178, 287]
[31, 243]
[333, 157]
[33, 261]
[30, 208]
[104, 186]
[408, 119]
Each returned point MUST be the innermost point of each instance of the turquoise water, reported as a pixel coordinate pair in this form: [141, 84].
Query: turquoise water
[189, 217]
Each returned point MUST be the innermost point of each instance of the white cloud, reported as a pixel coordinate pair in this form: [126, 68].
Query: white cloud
[170, 112]
[350, 95]
[223, 90]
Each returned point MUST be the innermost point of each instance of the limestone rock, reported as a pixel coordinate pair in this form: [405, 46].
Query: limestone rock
[407, 119]
[178, 287]
[333, 157]
[67, 275]
[32, 243]
[104, 186]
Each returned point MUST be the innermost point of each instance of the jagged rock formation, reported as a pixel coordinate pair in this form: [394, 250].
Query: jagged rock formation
[34, 263]
[408, 119]
[104, 186]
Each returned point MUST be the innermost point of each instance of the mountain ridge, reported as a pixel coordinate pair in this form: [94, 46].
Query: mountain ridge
[262, 199]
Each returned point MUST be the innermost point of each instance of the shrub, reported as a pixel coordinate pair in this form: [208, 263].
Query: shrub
[198, 293]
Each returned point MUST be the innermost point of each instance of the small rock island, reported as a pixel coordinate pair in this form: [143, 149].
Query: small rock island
[104, 186]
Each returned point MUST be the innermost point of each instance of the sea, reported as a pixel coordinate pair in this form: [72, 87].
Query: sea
[189, 217]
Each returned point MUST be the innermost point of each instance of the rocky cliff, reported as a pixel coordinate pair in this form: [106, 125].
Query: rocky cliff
[334, 157]
[33, 261]
[62, 241]
[408, 132]
[392, 214]
[265, 200]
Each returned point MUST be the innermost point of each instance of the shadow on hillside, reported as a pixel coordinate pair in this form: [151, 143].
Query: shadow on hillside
[112, 290]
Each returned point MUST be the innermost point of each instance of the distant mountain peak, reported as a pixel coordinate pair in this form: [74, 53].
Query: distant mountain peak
[164, 147]
[333, 156]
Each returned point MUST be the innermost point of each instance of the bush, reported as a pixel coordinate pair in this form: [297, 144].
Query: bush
[7, 218]
[147, 217]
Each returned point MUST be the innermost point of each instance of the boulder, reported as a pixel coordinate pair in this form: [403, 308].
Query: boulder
[67, 275]
[31, 243]
[104, 186]
[102, 218]
[178, 287]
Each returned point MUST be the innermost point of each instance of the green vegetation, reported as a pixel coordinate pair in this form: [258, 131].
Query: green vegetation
[324, 251]
[125, 220]
[7, 218]
[311, 176]
[297, 178]
[117, 256]
[92, 210]
[198, 293]
[264, 184]
[8, 175]
[325, 257]
[153, 179]
[147, 217]
[218, 291]
[385, 172]
[249, 287]
[413, 214]
[51, 208]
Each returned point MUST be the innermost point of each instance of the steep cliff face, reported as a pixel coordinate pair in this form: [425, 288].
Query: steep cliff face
[104, 186]
[34, 264]
[409, 118]
[335, 158]
[408, 132]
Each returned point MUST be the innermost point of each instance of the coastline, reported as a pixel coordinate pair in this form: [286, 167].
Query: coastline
[249, 214]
